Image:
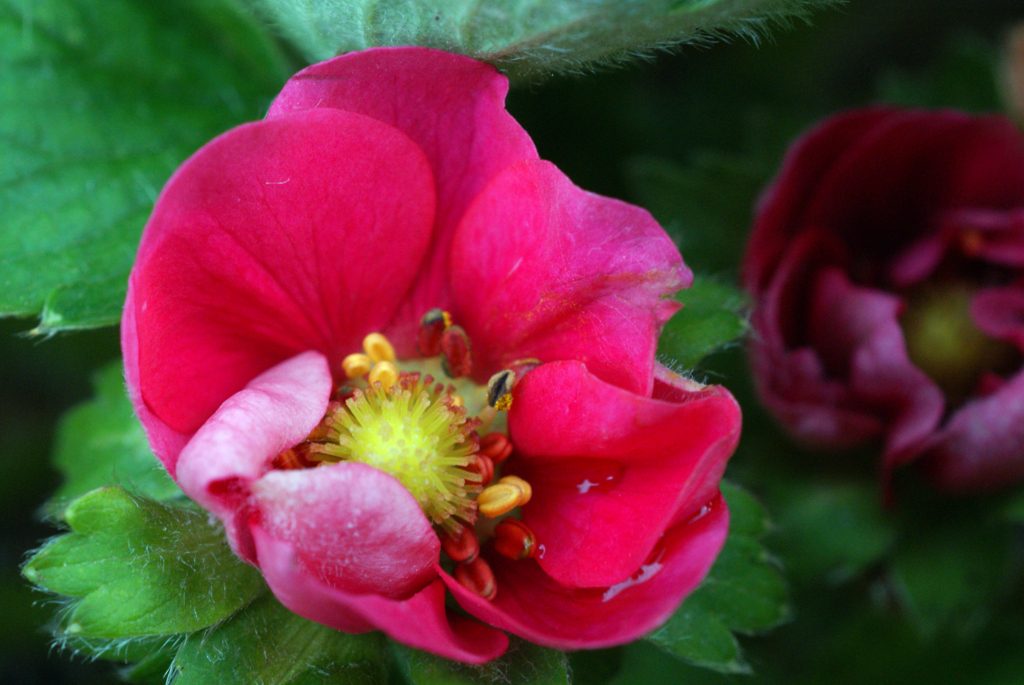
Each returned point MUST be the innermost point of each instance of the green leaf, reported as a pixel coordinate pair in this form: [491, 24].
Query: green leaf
[950, 576]
[100, 442]
[267, 644]
[706, 206]
[523, 664]
[99, 102]
[524, 37]
[712, 317]
[1014, 510]
[744, 592]
[832, 530]
[140, 568]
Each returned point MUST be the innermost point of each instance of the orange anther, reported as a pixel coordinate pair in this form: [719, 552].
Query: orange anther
[378, 348]
[356, 365]
[463, 546]
[522, 485]
[477, 577]
[384, 373]
[497, 446]
[514, 539]
[499, 499]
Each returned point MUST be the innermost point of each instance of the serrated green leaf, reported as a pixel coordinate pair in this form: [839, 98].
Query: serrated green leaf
[523, 664]
[711, 318]
[100, 442]
[744, 592]
[141, 568]
[524, 37]
[267, 644]
[99, 102]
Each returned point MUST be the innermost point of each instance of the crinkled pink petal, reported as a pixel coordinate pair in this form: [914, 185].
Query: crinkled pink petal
[236, 446]
[788, 371]
[420, 621]
[981, 447]
[452, 106]
[781, 209]
[265, 244]
[611, 470]
[354, 527]
[531, 604]
[999, 313]
[541, 269]
[857, 332]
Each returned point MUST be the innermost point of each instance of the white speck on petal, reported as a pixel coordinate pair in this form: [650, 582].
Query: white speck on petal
[647, 571]
[585, 486]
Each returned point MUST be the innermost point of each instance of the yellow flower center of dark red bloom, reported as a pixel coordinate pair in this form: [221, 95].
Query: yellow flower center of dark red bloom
[943, 341]
[442, 442]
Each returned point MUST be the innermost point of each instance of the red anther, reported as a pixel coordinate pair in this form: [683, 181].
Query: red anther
[432, 326]
[456, 350]
[497, 446]
[477, 577]
[482, 465]
[514, 539]
[463, 546]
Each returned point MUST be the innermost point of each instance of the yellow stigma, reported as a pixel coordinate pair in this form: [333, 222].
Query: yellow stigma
[414, 433]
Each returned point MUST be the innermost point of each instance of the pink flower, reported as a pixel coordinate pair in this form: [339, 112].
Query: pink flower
[383, 186]
[886, 260]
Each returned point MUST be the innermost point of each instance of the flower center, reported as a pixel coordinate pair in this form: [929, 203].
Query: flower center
[443, 443]
[944, 342]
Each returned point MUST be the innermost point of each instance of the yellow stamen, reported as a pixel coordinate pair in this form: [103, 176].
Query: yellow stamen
[510, 492]
[378, 348]
[517, 482]
[447, 319]
[384, 373]
[356, 365]
[457, 401]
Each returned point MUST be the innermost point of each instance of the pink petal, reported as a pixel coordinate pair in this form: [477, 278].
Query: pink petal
[534, 606]
[453, 107]
[999, 314]
[420, 621]
[165, 442]
[611, 470]
[237, 444]
[781, 210]
[857, 331]
[302, 232]
[932, 162]
[543, 269]
[981, 447]
[353, 527]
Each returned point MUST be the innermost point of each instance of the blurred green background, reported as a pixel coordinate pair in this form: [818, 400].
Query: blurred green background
[726, 110]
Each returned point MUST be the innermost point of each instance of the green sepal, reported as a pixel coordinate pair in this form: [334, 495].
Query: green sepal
[267, 644]
[99, 103]
[523, 664]
[744, 592]
[523, 38]
[100, 442]
[137, 568]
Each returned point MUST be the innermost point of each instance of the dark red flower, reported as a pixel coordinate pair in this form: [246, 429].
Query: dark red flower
[886, 261]
[299, 278]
